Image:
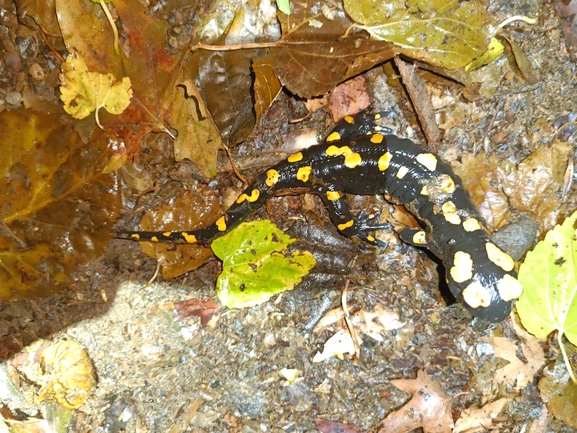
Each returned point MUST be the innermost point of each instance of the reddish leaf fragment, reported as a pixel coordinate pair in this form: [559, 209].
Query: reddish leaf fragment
[430, 407]
[203, 308]
[334, 427]
[567, 12]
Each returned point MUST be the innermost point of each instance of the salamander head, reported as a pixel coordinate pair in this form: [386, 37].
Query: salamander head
[484, 282]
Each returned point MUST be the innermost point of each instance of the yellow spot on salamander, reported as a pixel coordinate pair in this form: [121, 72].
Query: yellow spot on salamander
[477, 295]
[304, 173]
[385, 161]
[349, 119]
[135, 236]
[370, 238]
[272, 177]
[352, 159]
[221, 224]
[377, 138]
[420, 238]
[425, 190]
[346, 225]
[295, 157]
[333, 195]
[154, 239]
[254, 195]
[509, 288]
[188, 237]
[333, 136]
[462, 269]
[499, 257]
[471, 225]
[166, 234]
[450, 213]
[402, 172]
[445, 184]
[428, 160]
[377, 116]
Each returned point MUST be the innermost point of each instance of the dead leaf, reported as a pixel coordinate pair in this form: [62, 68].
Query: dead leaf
[429, 408]
[198, 138]
[476, 419]
[334, 427]
[517, 372]
[203, 308]
[567, 11]
[83, 92]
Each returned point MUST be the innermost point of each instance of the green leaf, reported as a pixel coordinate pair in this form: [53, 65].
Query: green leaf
[444, 33]
[548, 276]
[284, 6]
[254, 268]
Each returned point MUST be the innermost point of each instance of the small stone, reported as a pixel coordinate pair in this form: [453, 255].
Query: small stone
[36, 72]
[14, 98]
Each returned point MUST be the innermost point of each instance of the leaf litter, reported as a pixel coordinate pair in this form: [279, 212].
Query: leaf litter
[273, 344]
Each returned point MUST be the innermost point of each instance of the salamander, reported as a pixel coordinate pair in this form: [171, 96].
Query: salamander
[360, 157]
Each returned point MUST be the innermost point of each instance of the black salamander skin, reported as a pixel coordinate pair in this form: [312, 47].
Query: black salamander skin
[359, 157]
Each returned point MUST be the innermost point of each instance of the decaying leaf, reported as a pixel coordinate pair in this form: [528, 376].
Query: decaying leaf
[429, 407]
[560, 393]
[198, 138]
[339, 344]
[448, 34]
[83, 92]
[57, 205]
[63, 371]
[475, 419]
[517, 372]
[185, 212]
[480, 178]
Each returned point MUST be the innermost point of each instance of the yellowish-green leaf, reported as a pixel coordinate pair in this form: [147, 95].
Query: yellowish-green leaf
[254, 268]
[83, 92]
[444, 33]
[548, 276]
[496, 48]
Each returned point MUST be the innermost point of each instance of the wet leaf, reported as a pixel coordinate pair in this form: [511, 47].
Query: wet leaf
[312, 59]
[494, 50]
[185, 212]
[57, 205]
[560, 393]
[83, 92]
[198, 138]
[567, 12]
[151, 70]
[429, 407]
[254, 269]
[449, 34]
[549, 279]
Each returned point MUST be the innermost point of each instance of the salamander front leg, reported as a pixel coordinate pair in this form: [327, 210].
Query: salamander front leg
[348, 225]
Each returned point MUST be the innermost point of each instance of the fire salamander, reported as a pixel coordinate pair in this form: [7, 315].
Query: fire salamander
[359, 157]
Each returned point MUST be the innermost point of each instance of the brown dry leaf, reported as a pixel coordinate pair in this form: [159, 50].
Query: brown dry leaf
[185, 212]
[312, 60]
[430, 407]
[533, 185]
[476, 419]
[560, 393]
[517, 372]
[567, 12]
[334, 427]
[198, 137]
[203, 308]
[479, 175]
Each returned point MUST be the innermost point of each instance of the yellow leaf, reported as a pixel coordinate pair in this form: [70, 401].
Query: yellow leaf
[83, 92]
